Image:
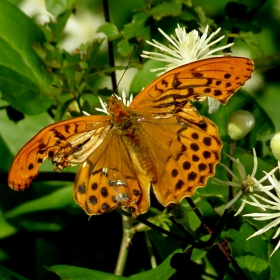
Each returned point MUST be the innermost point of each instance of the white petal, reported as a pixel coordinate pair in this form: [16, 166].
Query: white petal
[266, 228]
[233, 200]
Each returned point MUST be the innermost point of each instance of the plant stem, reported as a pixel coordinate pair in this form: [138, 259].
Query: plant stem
[231, 153]
[151, 252]
[110, 47]
[125, 243]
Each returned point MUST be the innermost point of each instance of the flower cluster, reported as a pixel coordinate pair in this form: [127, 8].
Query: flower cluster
[186, 48]
[247, 185]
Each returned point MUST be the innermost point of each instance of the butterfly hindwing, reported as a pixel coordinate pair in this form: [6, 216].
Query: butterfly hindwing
[109, 178]
[184, 154]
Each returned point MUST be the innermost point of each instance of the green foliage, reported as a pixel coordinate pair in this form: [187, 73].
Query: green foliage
[43, 233]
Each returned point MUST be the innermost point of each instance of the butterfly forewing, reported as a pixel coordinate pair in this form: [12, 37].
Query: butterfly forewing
[218, 78]
[52, 142]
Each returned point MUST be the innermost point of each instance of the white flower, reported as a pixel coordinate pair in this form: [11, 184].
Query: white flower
[273, 205]
[247, 184]
[125, 100]
[186, 48]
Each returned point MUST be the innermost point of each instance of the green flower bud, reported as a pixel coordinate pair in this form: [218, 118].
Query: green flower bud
[275, 145]
[239, 124]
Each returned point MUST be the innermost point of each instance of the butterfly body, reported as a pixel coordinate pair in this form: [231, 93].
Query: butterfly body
[159, 140]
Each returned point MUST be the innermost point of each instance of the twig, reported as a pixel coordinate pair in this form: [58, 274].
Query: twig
[221, 245]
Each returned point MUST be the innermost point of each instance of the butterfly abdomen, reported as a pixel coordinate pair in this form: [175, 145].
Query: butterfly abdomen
[143, 155]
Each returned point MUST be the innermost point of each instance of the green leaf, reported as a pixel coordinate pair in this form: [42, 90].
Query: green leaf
[57, 7]
[135, 27]
[55, 200]
[68, 272]
[110, 30]
[24, 81]
[166, 9]
[162, 272]
[241, 247]
[164, 245]
[274, 261]
[255, 268]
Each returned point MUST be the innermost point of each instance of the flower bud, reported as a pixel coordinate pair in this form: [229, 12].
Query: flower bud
[239, 124]
[275, 145]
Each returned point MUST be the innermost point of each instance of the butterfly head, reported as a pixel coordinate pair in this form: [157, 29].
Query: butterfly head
[119, 112]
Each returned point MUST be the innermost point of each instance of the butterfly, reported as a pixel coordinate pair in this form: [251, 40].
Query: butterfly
[160, 140]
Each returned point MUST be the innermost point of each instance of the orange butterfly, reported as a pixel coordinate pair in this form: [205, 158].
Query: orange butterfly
[160, 140]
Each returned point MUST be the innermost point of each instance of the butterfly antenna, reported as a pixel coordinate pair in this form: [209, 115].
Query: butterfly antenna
[69, 90]
[134, 47]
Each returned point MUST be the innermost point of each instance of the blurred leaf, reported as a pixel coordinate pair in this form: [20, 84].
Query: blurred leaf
[16, 135]
[202, 17]
[56, 200]
[59, 25]
[6, 228]
[198, 254]
[79, 273]
[251, 3]
[3, 256]
[145, 76]
[251, 40]
[6, 154]
[91, 51]
[166, 9]
[33, 225]
[110, 30]
[7, 274]
[57, 7]
[135, 27]
[124, 47]
[22, 74]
